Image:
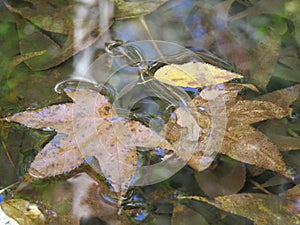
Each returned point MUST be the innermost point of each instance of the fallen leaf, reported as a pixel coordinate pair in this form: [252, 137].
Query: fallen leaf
[252, 111]
[226, 42]
[277, 132]
[193, 74]
[265, 57]
[22, 211]
[260, 208]
[196, 130]
[246, 144]
[183, 215]
[226, 177]
[239, 141]
[60, 35]
[283, 97]
[88, 127]
[129, 9]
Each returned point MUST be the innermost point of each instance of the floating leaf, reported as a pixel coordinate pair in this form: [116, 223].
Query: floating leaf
[193, 74]
[198, 130]
[226, 177]
[23, 212]
[260, 208]
[88, 127]
[240, 141]
[185, 216]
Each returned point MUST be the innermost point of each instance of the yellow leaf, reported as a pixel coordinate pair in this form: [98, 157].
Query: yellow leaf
[194, 74]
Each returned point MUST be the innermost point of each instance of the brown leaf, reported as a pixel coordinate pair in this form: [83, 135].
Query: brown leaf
[292, 197]
[226, 178]
[239, 141]
[184, 215]
[260, 208]
[252, 111]
[246, 144]
[88, 127]
[283, 97]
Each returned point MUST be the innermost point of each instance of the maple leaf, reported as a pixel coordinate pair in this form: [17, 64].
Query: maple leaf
[88, 127]
[238, 140]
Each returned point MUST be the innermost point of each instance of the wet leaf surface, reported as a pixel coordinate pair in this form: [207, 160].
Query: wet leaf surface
[260, 208]
[22, 211]
[88, 127]
[193, 75]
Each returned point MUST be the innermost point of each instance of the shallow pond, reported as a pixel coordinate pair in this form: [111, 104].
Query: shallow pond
[149, 112]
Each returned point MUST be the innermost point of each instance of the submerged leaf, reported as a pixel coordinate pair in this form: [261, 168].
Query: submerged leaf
[246, 144]
[265, 55]
[260, 208]
[193, 74]
[128, 9]
[60, 35]
[284, 97]
[185, 216]
[277, 132]
[23, 212]
[227, 177]
[88, 127]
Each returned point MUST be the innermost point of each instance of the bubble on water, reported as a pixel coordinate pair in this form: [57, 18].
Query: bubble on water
[111, 47]
[47, 129]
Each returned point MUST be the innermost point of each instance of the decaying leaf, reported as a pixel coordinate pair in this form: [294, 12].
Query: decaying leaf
[240, 141]
[245, 143]
[183, 215]
[260, 208]
[60, 35]
[88, 127]
[129, 9]
[193, 74]
[190, 130]
[277, 132]
[265, 55]
[226, 177]
[284, 97]
[23, 212]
